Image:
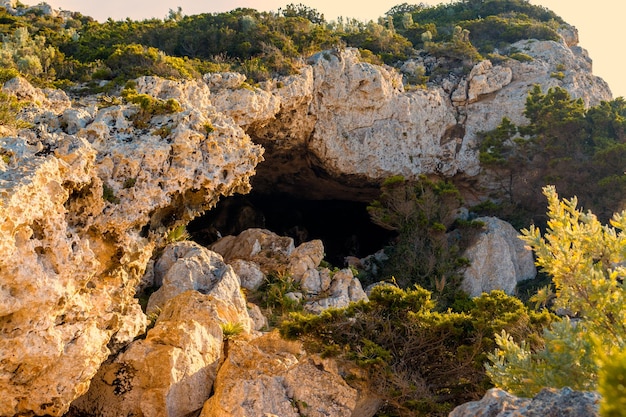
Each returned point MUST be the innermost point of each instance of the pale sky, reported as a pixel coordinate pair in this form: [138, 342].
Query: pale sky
[600, 23]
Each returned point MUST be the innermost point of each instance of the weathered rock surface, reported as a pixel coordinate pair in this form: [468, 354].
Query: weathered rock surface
[356, 123]
[249, 273]
[342, 289]
[498, 259]
[259, 251]
[188, 266]
[82, 213]
[265, 377]
[261, 246]
[87, 193]
[549, 402]
[170, 373]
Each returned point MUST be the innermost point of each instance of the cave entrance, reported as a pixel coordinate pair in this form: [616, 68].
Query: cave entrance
[343, 226]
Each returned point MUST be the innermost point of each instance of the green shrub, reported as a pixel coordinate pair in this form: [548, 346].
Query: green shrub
[9, 110]
[418, 360]
[178, 234]
[612, 385]
[521, 57]
[5, 155]
[423, 213]
[559, 75]
[135, 60]
[130, 182]
[273, 299]
[8, 73]
[108, 194]
[149, 107]
[231, 330]
[586, 261]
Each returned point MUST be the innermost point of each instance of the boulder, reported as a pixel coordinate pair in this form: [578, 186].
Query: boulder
[185, 266]
[249, 273]
[265, 248]
[259, 321]
[265, 377]
[306, 257]
[171, 372]
[498, 259]
[548, 402]
[366, 125]
[344, 289]
[486, 79]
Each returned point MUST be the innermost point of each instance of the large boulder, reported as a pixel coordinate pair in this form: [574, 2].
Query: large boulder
[267, 249]
[265, 377]
[548, 402]
[499, 259]
[367, 125]
[170, 373]
[188, 266]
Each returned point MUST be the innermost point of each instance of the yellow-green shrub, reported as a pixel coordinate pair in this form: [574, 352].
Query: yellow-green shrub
[587, 263]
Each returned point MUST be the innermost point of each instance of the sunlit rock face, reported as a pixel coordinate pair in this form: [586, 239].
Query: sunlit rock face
[343, 125]
[80, 215]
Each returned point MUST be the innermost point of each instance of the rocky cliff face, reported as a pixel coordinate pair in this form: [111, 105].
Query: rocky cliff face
[85, 197]
[355, 123]
[95, 186]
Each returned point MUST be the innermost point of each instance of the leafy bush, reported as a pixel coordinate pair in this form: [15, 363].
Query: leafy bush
[612, 385]
[501, 31]
[274, 296]
[134, 60]
[231, 330]
[108, 194]
[177, 234]
[521, 57]
[149, 106]
[418, 360]
[586, 261]
[425, 253]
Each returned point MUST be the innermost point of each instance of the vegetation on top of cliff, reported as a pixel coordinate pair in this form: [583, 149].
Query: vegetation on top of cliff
[67, 50]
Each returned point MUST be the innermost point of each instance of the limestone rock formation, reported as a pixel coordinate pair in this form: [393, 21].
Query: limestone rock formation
[188, 266]
[549, 402]
[357, 123]
[169, 373]
[95, 185]
[265, 377]
[249, 273]
[498, 259]
[257, 251]
[242, 102]
[265, 248]
[341, 289]
[82, 214]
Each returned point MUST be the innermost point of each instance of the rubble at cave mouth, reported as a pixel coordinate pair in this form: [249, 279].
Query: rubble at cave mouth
[343, 226]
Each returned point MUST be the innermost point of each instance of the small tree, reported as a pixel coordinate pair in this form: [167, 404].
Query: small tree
[587, 262]
[425, 253]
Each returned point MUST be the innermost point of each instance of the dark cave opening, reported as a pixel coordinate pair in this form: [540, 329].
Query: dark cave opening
[343, 226]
